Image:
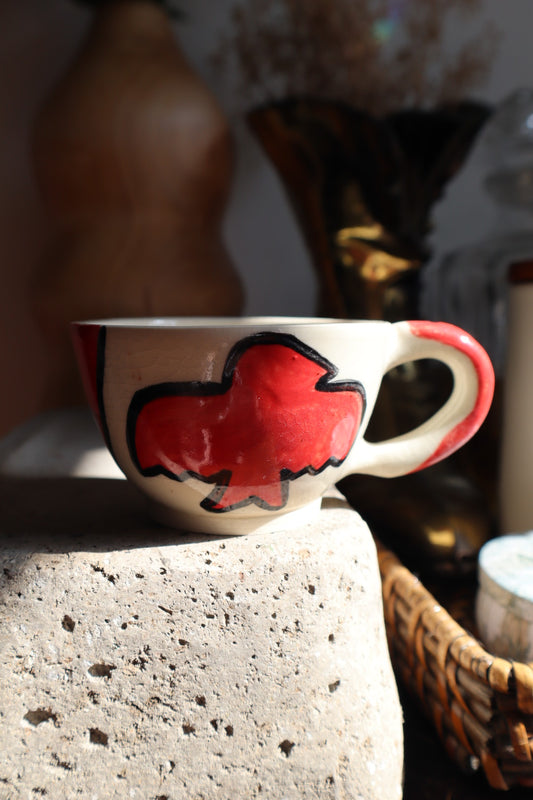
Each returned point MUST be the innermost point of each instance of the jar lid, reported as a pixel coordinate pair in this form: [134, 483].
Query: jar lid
[505, 571]
[520, 271]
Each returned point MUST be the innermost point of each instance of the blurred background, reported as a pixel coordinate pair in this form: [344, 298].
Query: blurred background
[37, 43]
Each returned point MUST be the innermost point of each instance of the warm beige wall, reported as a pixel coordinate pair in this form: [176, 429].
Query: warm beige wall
[36, 41]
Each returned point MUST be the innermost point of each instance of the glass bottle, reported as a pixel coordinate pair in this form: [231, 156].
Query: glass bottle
[469, 285]
[487, 289]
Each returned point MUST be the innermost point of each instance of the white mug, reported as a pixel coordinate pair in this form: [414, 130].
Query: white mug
[234, 425]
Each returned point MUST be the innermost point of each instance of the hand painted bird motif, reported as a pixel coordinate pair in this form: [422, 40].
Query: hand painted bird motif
[276, 415]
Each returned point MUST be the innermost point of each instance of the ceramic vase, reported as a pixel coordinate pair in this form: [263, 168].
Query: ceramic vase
[133, 158]
[363, 189]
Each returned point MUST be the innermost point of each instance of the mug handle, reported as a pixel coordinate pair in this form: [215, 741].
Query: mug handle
[454, 423]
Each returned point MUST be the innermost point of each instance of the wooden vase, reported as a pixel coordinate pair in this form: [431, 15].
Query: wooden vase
[133, 158]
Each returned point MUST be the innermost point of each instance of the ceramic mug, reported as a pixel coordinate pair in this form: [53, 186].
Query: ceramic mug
[234, 425]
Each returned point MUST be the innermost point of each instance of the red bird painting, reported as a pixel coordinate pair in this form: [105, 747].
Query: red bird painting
[277, 414]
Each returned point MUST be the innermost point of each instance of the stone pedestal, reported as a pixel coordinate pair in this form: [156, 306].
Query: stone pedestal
[138, 662]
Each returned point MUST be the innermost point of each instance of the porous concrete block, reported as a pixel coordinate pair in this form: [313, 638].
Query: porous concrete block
[138, 662]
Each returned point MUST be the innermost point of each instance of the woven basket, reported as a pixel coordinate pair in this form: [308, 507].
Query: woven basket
[480, 705]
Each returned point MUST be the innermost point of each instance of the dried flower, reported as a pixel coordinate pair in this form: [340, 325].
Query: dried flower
[377, 55]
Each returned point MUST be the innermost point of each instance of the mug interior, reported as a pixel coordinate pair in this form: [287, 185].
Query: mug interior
[213, 322]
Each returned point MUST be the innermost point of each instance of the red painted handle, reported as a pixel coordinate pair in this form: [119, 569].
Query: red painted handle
[455, 422]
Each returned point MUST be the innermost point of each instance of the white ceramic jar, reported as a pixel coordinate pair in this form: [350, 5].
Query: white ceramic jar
[504, 603]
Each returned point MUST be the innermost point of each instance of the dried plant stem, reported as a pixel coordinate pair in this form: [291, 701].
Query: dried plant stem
[378, 55]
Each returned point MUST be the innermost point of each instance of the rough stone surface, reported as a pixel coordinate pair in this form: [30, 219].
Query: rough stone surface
[136, 662]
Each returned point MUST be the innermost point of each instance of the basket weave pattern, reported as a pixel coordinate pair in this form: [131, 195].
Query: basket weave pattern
[480, 705]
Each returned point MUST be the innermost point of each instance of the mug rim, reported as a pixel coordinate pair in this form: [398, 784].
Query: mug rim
[189, 322]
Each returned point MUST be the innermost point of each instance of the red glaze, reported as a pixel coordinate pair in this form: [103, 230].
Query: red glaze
[86, 341]
[275, 416]
[455, 337]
